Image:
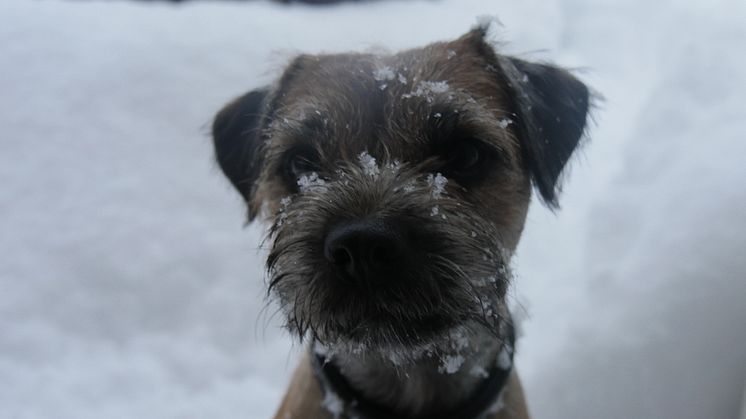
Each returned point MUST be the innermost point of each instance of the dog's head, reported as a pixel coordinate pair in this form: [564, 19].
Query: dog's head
[397, 186]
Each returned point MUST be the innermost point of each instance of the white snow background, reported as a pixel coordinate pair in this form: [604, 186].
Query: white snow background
[128, 288]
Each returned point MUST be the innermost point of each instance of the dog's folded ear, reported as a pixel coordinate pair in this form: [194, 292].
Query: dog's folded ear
[552, 108]
[236, 134]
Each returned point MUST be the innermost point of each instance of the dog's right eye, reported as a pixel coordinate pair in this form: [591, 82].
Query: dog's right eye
[468, 160]
[298, 162]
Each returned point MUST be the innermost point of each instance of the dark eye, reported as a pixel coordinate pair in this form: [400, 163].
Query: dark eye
[298, 162]
[467, 160]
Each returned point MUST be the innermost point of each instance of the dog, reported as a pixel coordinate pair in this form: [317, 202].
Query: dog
[396, 189]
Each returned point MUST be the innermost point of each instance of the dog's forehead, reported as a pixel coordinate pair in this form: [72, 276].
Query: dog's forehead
[386, 104]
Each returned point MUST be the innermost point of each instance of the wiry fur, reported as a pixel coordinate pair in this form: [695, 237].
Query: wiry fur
[462, 276]
[400, 340]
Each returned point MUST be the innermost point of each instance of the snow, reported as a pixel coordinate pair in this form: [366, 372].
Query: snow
[310, 182]
[452, 361]
[383, 74]
[369, 165]
[282, 216]
[479, 371]
[333, 404]
[437, 183]
[503, 359]
[129, 288]
[450, 364]
[428, 89]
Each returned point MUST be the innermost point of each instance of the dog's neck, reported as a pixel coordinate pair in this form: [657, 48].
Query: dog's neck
[442, 377]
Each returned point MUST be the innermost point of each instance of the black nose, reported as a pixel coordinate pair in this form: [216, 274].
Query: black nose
[366, 251]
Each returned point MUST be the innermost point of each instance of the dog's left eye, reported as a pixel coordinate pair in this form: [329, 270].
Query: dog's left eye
[299, 162]
[467, 160]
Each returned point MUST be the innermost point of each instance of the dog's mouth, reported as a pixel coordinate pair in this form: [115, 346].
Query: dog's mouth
[360, 291]
[401, 311]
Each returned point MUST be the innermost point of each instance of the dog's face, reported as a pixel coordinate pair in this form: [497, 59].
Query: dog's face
[397, 186]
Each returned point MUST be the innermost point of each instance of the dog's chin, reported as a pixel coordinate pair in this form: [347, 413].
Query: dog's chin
[388, 336]
[402, 314]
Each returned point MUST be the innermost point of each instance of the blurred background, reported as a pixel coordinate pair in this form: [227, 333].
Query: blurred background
[129, 289]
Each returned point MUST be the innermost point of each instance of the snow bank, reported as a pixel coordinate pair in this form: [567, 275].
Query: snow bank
[657, 323]
[129, 289]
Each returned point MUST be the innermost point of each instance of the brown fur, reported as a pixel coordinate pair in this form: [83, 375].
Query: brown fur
[413, 112]
[385, 125]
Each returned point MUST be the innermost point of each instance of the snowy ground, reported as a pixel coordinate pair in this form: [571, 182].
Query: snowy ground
[129, 290]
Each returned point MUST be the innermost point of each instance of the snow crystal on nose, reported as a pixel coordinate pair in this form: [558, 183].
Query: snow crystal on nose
[368, 162]
[382, 75]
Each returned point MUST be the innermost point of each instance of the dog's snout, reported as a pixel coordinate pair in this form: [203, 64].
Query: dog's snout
[366, 251]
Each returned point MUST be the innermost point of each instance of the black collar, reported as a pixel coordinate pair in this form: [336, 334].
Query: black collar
[355, 405]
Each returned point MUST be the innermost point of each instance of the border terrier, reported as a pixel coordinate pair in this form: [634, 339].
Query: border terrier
[396, 188]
